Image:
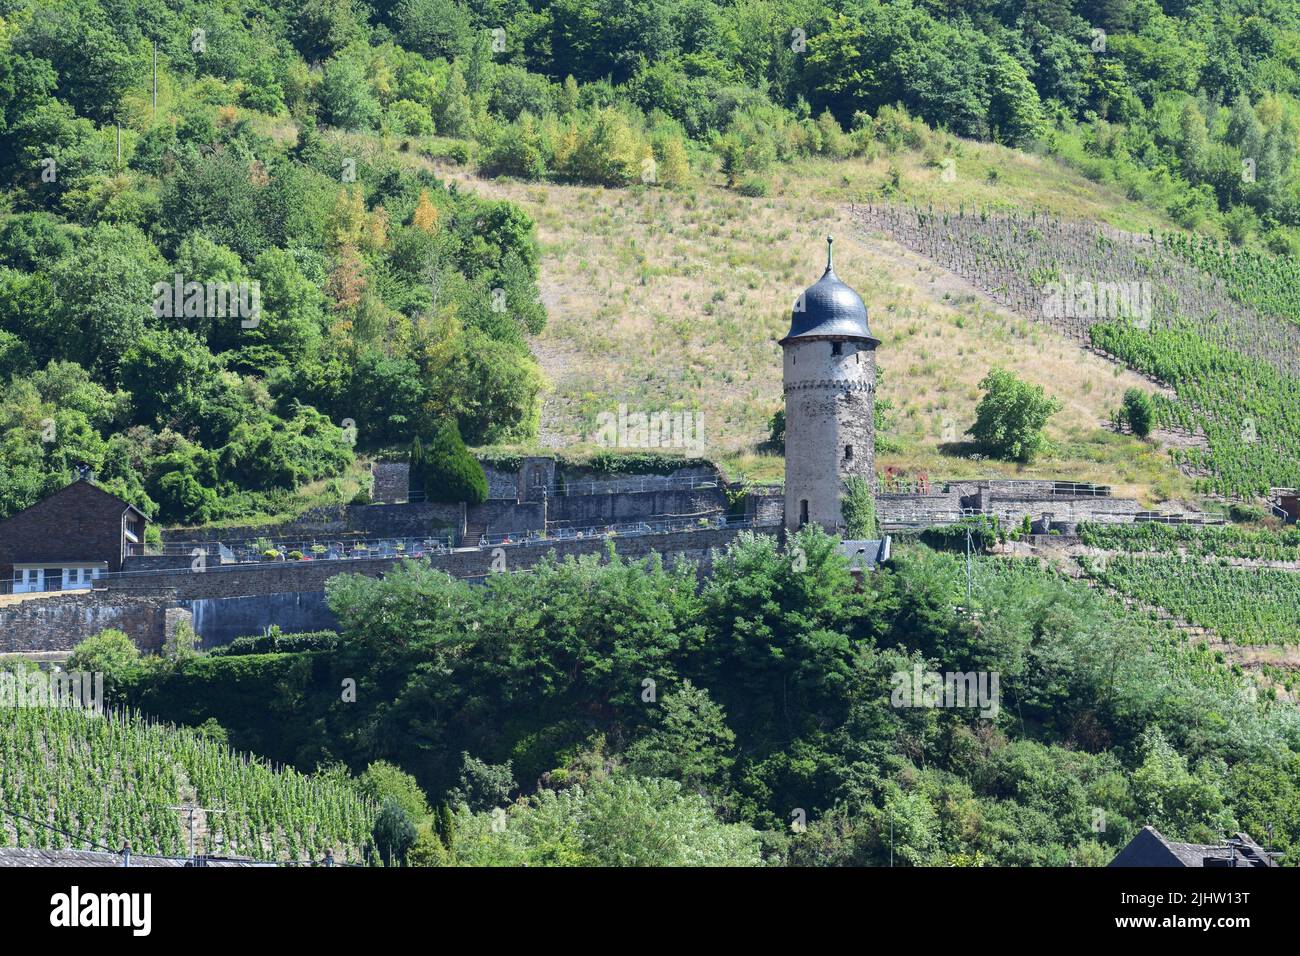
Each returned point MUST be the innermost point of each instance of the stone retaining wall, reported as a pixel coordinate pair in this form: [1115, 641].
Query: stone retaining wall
[404, 520]
[243, 580]
[61, 621]
[584, 511]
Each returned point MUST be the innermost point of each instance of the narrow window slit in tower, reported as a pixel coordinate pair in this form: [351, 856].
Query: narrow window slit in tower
[848, 451]
[837, 348]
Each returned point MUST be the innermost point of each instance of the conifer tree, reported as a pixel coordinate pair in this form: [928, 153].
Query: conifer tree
[450, 472]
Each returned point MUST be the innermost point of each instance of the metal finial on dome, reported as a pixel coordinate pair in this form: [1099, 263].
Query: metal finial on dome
[828, 308]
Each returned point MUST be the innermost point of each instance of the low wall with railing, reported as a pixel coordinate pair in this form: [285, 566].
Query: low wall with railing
[1010, 509]
[409, 519]
[282, 577]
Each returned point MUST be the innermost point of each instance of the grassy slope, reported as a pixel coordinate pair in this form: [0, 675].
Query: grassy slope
[676, 300]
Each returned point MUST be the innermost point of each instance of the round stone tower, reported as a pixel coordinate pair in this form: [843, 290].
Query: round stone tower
[830, 387]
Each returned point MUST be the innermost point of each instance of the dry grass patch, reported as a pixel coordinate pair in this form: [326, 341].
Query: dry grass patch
[666, 300]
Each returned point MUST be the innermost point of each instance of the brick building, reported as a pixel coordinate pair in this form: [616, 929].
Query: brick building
[68, 538]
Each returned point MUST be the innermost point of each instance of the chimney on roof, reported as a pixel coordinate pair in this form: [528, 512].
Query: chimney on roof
[85, 473]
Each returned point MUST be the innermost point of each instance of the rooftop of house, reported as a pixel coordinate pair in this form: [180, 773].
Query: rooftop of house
[82, 485]
[1151, 848]
[865, 555]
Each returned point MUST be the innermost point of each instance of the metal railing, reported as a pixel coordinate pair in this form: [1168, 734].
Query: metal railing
[534, 538]
[932, 518]
[319, 549]
[611, 532]
[568, 489]
[1062, 489]
[894, 485]
[1159, 517]
[1076, 489]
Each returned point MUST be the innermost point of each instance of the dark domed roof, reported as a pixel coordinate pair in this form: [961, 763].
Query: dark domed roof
[830, 309]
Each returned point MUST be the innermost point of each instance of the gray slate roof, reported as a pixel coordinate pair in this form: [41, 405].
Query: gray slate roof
[865, 555]
[830, 309]
[1150, 848]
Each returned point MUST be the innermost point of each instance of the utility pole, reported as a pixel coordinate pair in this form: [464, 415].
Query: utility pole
[191, 810]
[155, 77]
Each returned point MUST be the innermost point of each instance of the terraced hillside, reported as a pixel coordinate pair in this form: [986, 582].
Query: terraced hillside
[73, 779]
[1234, 590]
[1192, 314]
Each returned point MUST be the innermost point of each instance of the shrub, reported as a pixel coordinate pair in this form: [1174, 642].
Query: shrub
[428, 849]
[393, 833]
[1245, 514]
[642, 463]
[109, 652]
[753, 188]
[383, 781]
[276, 642]
[516, 151]
[859, 506]
[458, 152]
[1138, 411]
[1009, 419]
[776, 431]
[985, 531]
[451, 473]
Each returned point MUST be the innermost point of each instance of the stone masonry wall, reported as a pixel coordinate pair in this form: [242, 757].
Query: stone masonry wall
[61, 621]
[502, 484]
[1072, 510]
[904, 508]
[765, 507]
[223, 603]
[500, 516]
[305, 576]
[579, 511]
[370, 521]
[390, 481]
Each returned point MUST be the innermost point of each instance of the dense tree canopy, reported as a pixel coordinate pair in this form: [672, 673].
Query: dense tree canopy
[617, 692]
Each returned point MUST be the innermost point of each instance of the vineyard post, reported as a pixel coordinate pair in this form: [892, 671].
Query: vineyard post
[190, 809]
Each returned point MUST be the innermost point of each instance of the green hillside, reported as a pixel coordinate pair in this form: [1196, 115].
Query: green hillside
[305, 147]
[74, 779]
